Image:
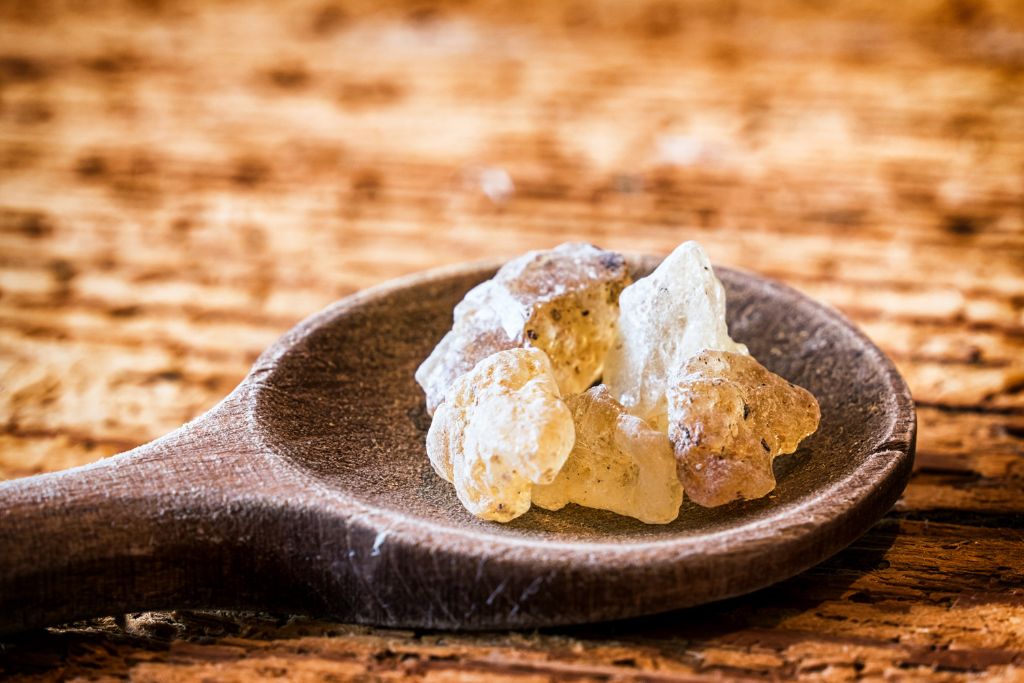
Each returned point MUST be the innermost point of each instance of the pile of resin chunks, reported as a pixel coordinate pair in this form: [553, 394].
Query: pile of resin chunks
[518, 419]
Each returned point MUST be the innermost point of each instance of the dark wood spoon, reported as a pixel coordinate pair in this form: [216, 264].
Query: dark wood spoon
[308, 490]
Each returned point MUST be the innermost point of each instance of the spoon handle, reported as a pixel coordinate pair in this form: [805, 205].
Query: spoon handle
[147, 529]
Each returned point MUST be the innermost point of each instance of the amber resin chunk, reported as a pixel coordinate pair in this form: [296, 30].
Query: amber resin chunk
[563, 301]
[667, 317]
[619, 463]
[501, 429]
[728, 418]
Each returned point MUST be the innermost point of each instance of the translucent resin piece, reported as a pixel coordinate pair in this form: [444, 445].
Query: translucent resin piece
[619, 463]
[501, 429]
[667, 317]
[563, 301]
[729, 417]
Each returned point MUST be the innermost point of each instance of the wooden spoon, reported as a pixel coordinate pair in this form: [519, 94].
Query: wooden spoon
[308, 490]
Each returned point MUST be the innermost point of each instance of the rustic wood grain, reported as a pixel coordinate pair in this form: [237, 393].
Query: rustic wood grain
[181, 182]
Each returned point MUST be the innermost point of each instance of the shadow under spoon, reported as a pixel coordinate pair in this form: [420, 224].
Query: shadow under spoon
[308, 490]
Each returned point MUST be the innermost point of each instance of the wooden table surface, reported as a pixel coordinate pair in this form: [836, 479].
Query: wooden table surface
[182, 181]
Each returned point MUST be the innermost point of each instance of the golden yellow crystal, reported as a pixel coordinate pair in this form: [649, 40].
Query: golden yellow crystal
[619, 463]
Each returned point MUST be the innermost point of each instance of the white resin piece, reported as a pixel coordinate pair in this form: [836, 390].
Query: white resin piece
[619, 463]
[501, 429]
[666, 318]
[562, 300]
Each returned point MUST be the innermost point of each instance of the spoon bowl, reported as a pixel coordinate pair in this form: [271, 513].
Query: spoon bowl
[308, 490]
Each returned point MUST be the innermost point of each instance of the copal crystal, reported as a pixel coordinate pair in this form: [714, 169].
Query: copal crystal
[728, 418]
[563, 301]
[667, 317]
[501, 429]
[619, 463]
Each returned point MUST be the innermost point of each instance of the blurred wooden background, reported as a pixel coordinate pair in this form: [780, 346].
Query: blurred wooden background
[180, 182]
